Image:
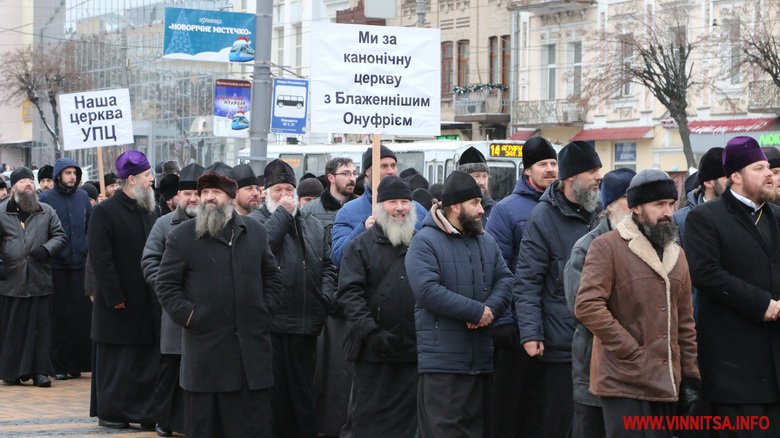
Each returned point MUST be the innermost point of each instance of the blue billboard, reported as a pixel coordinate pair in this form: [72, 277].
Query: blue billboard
[201, 35]
[289, 106]
[232, 108]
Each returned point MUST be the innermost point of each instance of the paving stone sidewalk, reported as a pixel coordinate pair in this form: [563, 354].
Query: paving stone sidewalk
[59, 411]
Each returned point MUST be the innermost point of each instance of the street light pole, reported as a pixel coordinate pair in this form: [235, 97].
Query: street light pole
[261, 88]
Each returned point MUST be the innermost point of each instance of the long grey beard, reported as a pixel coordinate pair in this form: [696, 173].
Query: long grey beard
[272, 206]
[27, 201]
[210, 222]
[397, 233]
[586, 198]
[144, 198]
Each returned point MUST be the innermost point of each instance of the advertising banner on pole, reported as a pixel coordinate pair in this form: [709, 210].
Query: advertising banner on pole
[289, 106]
[232, 108]
[375, 79]
[200, 35]
[96, 118]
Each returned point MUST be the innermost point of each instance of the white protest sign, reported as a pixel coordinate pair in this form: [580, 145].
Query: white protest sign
[375, 79]
[96, 118]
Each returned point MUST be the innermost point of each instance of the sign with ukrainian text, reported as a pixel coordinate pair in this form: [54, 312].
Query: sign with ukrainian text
[96, 118]
[375, 79]
[506, 150]
[201, 35]
[232, 105]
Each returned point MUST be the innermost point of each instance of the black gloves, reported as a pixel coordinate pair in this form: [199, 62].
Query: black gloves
[689, 395]
[382, 342]
[40, 254]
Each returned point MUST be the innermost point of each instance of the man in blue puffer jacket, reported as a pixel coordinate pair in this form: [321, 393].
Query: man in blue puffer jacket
[351, 220]
[460, 281]
[517, 379]
[71, 309]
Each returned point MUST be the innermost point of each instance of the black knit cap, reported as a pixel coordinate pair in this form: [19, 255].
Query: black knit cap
[459, 187]
[408, 173]
[244, 175]
[91, 190]
[21, 172]
[110, 178]
[536, 149]
[423, 197]
[188, 180]
[277, 172]
[45, 172]
[310, 187]
[393, 187]
[773, 155]
[577, 157]
[3, 184]
[307, 175]
[261, 180]
[384, 152]
[169, 186]
[650, 185]
[472, 161]
[435, 190]
[710, 166]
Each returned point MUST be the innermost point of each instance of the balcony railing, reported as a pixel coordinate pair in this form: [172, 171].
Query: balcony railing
[484, 102]
[763, 97]
[546, 112]
[549, 5]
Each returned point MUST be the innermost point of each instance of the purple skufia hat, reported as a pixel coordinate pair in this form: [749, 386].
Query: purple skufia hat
[131, 163]
[739, 152]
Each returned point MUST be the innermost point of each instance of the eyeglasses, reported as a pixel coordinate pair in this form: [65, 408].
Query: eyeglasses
[347, 174]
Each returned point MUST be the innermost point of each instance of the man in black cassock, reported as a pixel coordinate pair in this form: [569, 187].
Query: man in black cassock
[125, 314]
[30, 233]
[219, 280]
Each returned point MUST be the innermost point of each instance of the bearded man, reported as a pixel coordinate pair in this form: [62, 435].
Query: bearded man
[733, 247]
[248, 194]
[125, 313]
[225, 303]
[635, 298]
[378, 301]
[460, 283]
[31, 234]
[564, 214]
[169, 399]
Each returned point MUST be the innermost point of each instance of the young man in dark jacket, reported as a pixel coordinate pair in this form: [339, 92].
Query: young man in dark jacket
[298, 242]
[516, 372]
[375, 293]
[31, 235]
[564, 214]
[460, 282]
[219, 281]
[71, 309]
[474, 163]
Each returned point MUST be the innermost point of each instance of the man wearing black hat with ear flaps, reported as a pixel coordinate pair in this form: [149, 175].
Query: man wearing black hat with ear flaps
[565, 213]
[460, 282]
[219, 281]
[298, 242]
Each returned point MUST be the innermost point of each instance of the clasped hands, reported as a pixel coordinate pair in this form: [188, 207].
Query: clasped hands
[484, 321]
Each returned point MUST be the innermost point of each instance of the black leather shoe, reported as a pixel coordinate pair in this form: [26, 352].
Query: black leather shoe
[112, 424]
[147, 426]
[75, 375]
[162, 431]
[59, 376]
[13, 382]
[42, 381]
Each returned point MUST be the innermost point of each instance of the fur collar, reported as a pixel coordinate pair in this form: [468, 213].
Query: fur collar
[639, 245]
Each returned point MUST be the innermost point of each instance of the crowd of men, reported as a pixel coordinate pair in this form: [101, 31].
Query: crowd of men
[214, 302]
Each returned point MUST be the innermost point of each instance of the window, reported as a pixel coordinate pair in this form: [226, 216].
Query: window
[298, 48]
[280, 46]
[506, 59]
[463, 63]
[495, 60]
[446, 68]
[735, 51]
[549, 71]
[625, 155]
[627, 54]
[575, 53]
